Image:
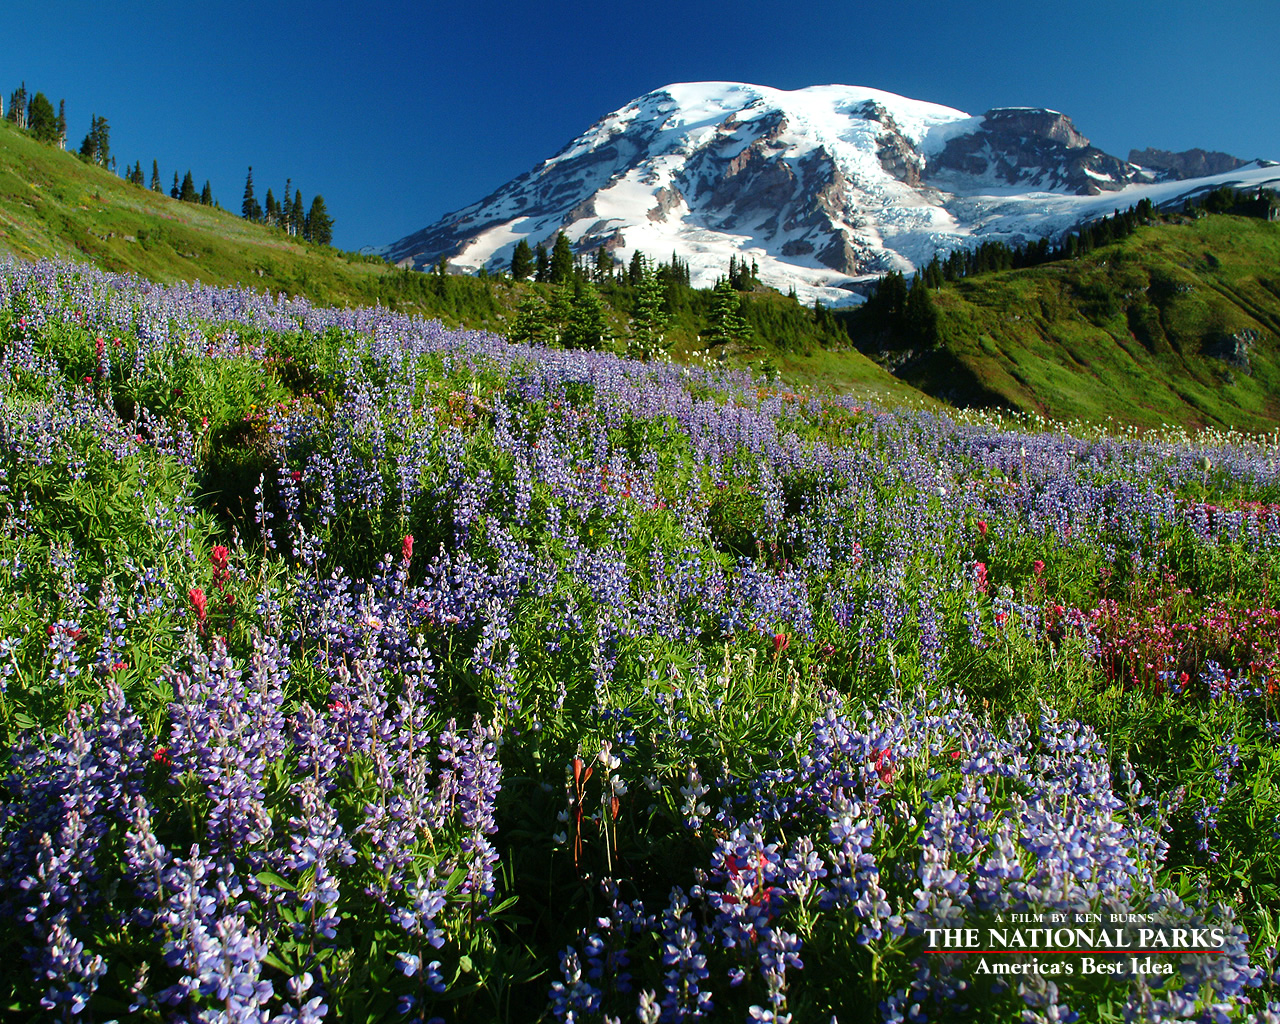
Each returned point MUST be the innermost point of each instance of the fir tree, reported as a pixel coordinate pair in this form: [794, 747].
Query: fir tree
[206, 194]
[155, 176]
[635, 269]
[319, 223]
[921, 319]
[18, 106]
[542, 264]
[270, 212]
[587, 327]
[175, 189]
[532, 326]
[604, 265]
[187, 193]
[297, 216]
[41, 119]
[250, 209]
[561, 260]
[96, 147]
[62, 124]
[727, 325]
[649, 321]
[559, 311]
[521, 261]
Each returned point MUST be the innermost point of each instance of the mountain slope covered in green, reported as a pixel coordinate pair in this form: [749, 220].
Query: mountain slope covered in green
[1179, 323]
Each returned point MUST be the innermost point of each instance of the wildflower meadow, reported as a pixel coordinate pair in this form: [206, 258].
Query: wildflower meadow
[357, 669]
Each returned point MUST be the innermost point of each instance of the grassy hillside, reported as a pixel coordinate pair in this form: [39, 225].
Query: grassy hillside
[54, 204]
[1179, 323]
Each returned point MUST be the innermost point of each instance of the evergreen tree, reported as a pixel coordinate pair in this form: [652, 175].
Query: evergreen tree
[521, 261]
[206, 194]
[96, 147]
[319, 223]
[155, 176]
[559, 311]
[250, 209]
[588, 327]
[920, 317]
[636, 268]
[175, 189]
[649, 321]
[62, 124]
[41, 119]
[727, 324]
[542, 264]
[270, 213]
[18, 106]
[187, 193]
[561, 260]
[297, 216]
[604, 265]
[532, 326]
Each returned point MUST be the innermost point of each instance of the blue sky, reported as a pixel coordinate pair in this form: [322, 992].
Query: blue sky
[400, 111]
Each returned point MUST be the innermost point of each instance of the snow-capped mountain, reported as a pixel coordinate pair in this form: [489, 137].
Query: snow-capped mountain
[823, 188]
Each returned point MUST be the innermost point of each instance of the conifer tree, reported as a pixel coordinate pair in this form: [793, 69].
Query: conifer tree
[559, 311]
[206, 195]
[921, 319]
[187, 193]
[587, 327]
[62, 124]
[175, 189]
[522, 261]
[270, 212]
[319, 223]
[604, 265]
[727, 324]
[96, 146]
[635, 269]
[297, 216]
[18, 106]
[542, 263]
[41, 119]
[561, 260]
[155, 176]
[250, 208]
[649, 321]
[532, 326]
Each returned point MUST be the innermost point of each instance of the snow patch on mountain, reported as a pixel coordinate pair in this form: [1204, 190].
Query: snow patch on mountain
[824, 188]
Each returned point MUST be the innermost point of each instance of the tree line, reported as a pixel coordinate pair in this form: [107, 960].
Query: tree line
[290, 214]
[34, 113]
[906, 310]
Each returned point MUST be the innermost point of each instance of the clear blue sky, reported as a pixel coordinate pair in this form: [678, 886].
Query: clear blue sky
[400, 111]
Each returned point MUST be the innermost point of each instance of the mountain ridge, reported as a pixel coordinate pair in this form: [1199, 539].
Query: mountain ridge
[825, 187]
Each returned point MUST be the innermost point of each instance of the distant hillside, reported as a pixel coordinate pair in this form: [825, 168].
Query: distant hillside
[54, 204]
[1179, 323]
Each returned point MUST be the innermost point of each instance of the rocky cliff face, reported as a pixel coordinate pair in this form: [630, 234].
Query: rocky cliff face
[821, 187]
[1035, 149]
[1191, 163]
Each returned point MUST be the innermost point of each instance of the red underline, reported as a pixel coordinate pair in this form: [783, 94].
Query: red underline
[1080, 952]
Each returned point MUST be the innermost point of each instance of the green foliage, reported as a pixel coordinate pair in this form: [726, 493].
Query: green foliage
[560, 269]
[42, 122]
[587, 325]
[522, 265]
[96, 147]
[726, 324]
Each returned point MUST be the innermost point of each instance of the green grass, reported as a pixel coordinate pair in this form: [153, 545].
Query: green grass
[1128, 332]
[53, 204]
